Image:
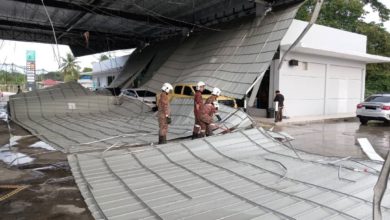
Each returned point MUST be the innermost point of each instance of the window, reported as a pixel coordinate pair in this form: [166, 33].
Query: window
[110, 79]
[378, 99]
[188, 91]
[178, 89]
[145, 93]
[206, 92]
[130, 93]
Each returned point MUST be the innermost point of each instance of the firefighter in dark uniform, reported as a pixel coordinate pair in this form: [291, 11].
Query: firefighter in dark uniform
[280, 99]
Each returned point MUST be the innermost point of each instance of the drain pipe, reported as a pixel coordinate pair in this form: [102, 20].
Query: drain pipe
[313, 19]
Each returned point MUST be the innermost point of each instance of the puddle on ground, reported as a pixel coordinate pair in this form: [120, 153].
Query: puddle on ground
[41, 144]
[14, 140]
[19, 206]
[15, 158]
[3, 110]
[69, 208]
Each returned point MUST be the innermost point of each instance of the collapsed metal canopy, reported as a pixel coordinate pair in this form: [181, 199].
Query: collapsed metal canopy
[230, 60]
[73, 119]
[116, 24]
[243, 175]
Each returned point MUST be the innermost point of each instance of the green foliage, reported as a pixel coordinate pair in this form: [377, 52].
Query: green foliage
[384, 12]
[103, 57]
[70, 68]
[15, 78]
[57, 76]
[378, 82]
[340, 14]
[87, 69]
[348, 15]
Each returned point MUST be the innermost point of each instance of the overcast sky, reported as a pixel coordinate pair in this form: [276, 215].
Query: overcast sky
[15, 51]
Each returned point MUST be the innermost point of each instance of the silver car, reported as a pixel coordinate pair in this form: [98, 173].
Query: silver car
[148, 97]
[375, 107]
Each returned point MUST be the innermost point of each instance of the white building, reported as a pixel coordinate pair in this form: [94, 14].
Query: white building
[106, 71]
[323, 75]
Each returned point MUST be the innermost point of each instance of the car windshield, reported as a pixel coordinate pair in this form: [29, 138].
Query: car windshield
[206, 92]
[378, 99]
[145, 93]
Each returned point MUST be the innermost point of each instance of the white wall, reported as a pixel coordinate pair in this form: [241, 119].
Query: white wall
[325, 37]
[106, 68]
[117, 62]
[321, 85]
[102, 78]
[344, 85]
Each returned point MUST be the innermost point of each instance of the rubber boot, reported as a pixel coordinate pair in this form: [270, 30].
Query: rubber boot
[160, 139]
[195, 135]
[164, 139]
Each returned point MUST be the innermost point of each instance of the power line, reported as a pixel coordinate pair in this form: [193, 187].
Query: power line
[54, 34]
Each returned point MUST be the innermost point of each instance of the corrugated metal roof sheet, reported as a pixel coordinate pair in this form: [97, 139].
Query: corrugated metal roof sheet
[243, 175]
[73, 119]
[231, 59]
[145, 62]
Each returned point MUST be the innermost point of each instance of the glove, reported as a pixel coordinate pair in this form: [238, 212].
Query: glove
[219, 117]
[169, 120]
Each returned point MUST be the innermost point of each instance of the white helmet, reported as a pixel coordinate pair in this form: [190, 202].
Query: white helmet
[167, 87]
[216, 92]
[200, 84]
[216, 105]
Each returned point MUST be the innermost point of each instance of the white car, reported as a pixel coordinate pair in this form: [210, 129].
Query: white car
[375, 107]
[148, 97]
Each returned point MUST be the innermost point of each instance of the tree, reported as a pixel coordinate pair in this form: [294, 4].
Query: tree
[12, 78]
[57, 76]
[384, 12]
[340, 14]
[103, 57]
[87, 69]
[70, 68]
[348, 15]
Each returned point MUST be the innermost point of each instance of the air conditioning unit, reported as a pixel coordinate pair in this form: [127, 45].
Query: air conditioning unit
[293, 62]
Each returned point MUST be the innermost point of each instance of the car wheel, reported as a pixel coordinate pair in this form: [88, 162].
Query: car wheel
[363, 121]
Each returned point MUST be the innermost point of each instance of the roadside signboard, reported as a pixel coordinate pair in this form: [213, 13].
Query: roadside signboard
[30, 69]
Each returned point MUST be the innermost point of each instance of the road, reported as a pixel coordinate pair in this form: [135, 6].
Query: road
[338, 138]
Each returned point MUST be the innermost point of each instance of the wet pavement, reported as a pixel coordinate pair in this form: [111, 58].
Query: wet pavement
[51, 192]
[339, 137]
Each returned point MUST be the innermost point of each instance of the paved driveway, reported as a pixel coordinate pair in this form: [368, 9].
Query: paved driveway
[338, 138]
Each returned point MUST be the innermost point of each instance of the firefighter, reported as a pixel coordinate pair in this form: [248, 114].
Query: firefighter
[209, 109]
[214, 98]
[164, 113]
[206, 118]
[198, 105]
